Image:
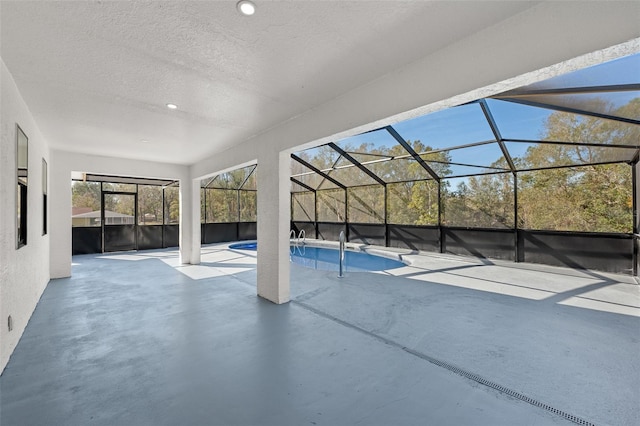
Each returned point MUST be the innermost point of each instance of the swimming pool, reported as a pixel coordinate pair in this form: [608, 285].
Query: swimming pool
[326, 259]
[252, 245]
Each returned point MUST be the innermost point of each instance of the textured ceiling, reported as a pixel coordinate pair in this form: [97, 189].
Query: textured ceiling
[97, 75]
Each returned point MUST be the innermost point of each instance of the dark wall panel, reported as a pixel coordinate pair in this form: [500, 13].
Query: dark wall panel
[86, 240]
[330, 231]
[367, 234]
[602, 252]
[247, 230]
[149, 237]
[171, 235]
[606, 252]
[309, 228]
[220, 232]
[119, 238]
[495, 244]
[414, 237]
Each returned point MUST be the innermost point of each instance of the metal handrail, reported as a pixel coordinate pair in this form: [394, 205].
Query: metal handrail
[292, 235]
[302, 235]
[341, 270]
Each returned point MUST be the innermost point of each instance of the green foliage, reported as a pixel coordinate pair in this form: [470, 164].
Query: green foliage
[221, 205]
[485, 201]
[594, 198]
[85, 194]
[589, 198]
[303, 206]
[331, 205]
[366, 204]
[248, 206]
[172, 205]
[236, 179]
[579, 196]
[150, 210]
[413, 203]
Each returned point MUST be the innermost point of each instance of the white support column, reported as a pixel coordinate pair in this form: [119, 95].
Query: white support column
[59, 217]
[186, 219]
[195, 222]
[274, 170]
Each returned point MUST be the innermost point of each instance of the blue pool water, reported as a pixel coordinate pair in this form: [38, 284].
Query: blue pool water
[244, 246]
[327, 259]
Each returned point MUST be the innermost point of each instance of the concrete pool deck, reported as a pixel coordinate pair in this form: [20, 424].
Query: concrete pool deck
[137, 339]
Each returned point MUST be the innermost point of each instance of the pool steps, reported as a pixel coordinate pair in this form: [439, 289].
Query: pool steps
[301, 236]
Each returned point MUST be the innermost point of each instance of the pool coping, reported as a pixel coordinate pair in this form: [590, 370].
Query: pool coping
[411, 257]
[386, 252]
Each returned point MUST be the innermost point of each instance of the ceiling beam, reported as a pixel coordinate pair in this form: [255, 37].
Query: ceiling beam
[413, 153]
[304, 185]
[318, 171]
[571, 90]
[570, 110]
[357, 163]
[496, 133]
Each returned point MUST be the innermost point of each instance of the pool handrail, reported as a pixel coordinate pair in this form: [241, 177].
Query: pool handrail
[341, 239]
[302, 235]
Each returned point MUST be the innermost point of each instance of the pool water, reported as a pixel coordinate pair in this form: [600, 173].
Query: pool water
[244, 246]
[327, 259]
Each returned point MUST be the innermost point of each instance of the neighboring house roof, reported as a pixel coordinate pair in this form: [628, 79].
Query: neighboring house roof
[79, 210]
[96, 214]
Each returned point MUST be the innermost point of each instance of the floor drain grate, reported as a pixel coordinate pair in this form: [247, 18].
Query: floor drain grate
[453, 368]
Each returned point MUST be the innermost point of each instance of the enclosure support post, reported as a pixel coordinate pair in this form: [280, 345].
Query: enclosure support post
[386, 217]
[634, 197]
[164, 217]
[346, 213]
[102, 217]
[315, 213]
[440, 233]
[203, 237]
[516, 238]
[238, 204]
[136, 219]
[341, 255]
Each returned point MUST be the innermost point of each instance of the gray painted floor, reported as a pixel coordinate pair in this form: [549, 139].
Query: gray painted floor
[136, 339]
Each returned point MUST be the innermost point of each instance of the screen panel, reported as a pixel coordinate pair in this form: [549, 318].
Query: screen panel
[331, 205]
[366, 204]
[479, 202]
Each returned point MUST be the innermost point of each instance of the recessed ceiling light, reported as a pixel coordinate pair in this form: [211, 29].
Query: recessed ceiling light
[144, 141]
[172, 106]
[246, 7]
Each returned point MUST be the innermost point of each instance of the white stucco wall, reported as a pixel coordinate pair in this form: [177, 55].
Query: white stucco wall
[64, 162]
[24, 273]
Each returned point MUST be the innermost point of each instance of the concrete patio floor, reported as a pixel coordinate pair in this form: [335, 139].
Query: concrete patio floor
[137, 339]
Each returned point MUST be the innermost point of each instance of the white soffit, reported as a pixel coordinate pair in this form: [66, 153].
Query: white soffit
[97, 75]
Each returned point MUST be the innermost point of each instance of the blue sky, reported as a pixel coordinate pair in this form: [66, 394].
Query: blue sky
[466, 124]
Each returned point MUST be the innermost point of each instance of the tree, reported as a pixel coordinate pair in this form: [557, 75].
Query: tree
[485, 201]
[331, 205]
[595, 198]
[86, 194]
[172, 205]
[248, 205]
[150, 211]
